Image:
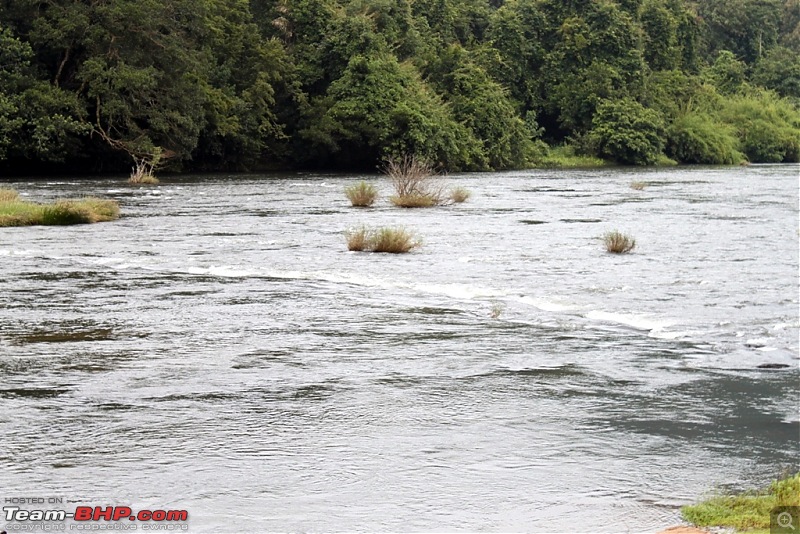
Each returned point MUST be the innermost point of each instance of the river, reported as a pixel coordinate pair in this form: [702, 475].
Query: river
[218, 349]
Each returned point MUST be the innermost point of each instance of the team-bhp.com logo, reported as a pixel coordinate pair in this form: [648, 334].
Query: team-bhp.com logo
[115, 518]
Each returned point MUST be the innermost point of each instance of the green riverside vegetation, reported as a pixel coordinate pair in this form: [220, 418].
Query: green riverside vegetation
[746, 511]
[346, 84]
[17, 212]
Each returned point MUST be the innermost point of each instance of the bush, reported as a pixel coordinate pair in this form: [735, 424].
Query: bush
[391, 240]
[768, 127]
[618, 243]
[638, 186]
[415, 183]
[627, 132]
[362, 194]
[142, 172]
[699, 138]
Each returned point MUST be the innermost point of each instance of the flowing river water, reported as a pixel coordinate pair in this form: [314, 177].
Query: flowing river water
[219, 350]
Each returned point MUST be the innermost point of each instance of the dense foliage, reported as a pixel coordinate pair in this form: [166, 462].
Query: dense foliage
[463, 84]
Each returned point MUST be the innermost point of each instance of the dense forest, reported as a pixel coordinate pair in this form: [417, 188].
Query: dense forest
[95, 85]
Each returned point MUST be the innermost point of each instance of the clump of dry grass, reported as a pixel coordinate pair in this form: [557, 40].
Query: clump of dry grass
[362, 194]
[618, 243]
[416, 183]
[638, 185]
[357, 239]
[8, 195]
[391, 240]
[459, 194]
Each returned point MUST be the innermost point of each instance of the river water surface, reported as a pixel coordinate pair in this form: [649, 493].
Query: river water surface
[219, 350]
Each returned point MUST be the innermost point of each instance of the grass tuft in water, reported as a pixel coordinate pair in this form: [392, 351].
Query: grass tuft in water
[362, 194]
[497, 310]
[638, 185]
[618, 243]
[745, 511]
[459, 194]
[358, 239]
[14, 212]
[391, 240]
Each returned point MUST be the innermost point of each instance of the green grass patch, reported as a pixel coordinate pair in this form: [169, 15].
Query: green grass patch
[749, 511]
[565, 157]
[15, 212]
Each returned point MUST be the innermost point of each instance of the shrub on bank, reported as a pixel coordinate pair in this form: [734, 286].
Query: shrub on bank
[699, 138]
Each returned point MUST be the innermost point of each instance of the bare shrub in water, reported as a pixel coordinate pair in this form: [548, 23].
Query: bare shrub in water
[416, 183]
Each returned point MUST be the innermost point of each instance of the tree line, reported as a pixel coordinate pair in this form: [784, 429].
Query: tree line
[93, 85]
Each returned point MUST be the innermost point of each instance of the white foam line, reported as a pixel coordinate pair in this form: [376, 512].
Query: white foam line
[638, 322]
[547, 305]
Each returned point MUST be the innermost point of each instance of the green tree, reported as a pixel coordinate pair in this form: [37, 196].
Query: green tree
[661, 46]
[38, 121]
[381, 108]
[627, 132]
[483, 106]
[727, 74]
[748, 28]
[595, 56]
[779, 70]
[517, 33]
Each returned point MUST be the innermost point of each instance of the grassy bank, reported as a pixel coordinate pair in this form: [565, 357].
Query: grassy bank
[565, 157]
[17, 212]
[745, 512]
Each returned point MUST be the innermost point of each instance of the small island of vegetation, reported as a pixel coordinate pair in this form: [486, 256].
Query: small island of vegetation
[17, 212]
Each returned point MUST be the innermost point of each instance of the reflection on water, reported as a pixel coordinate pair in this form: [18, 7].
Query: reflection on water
[218, 349]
